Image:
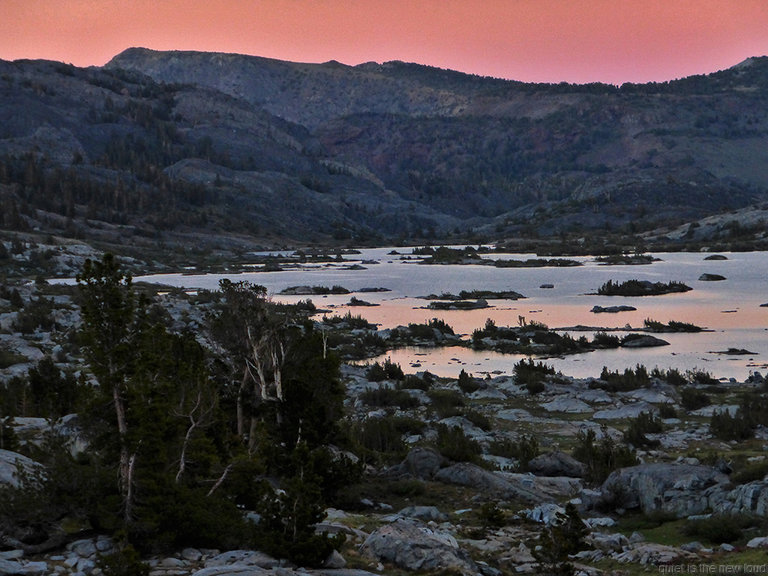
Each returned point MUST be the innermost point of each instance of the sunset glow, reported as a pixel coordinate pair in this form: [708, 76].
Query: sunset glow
[528, 40]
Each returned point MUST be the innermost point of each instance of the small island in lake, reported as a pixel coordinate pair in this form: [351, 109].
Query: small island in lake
[641, 288]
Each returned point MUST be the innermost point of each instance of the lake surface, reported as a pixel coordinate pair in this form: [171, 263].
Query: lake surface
[730, 308]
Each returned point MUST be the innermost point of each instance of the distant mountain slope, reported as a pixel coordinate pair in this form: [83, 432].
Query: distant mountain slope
[163, 145]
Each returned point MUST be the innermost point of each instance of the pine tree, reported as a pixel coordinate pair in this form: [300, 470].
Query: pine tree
[111, 316]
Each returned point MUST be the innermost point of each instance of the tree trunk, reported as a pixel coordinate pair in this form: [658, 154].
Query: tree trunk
[240, 400]
[124, 470]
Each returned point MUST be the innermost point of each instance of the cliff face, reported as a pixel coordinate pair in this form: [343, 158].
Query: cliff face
[164, 142]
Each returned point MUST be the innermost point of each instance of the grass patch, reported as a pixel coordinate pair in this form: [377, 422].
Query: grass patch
[721, 529]
[403, 492]
[661, 528]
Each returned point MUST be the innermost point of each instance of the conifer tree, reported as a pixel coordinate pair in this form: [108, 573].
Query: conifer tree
[111, 316]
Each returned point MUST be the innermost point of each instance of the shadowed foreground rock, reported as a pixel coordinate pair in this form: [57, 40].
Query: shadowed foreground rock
[557, 464]
[413, 546]
[420, 462]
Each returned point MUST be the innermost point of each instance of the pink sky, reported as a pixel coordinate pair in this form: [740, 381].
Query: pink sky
[612, 41]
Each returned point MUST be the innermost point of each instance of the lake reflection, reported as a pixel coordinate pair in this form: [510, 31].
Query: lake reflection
[730, 308]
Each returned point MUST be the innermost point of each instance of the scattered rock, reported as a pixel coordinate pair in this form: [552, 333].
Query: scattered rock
[426, 513]
[13, 568]
[625, 412]
[654, 554]
[335, 561]
[83, 548]
[750, 499]
[567, 405]
[692, 546]
[547, 513]
[759, 542]
[191, 554]
[514, 414]
[413, 546]
[652, 396]
[601, 522]
[243, 558]
[420, 462]
[465, 474]
[608, 542]
[707, 411]
[557, 464]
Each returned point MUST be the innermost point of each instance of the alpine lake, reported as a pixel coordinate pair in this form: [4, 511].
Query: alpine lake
[395, 282]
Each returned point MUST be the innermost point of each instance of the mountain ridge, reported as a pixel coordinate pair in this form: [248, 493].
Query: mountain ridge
[220, 144]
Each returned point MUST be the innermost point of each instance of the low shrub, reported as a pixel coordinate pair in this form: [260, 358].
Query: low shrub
[414, 382]
[718, 529]
[604, 340]
[667, 411]
[752, 472]
[455, 445]
[37, 314]
[671, 376]
[702, 377]
[446, 403]
[407, 488]
[523, 450]
[532, 375]
[385, 397]
[726, 427]
[382, 438]
[467, 384]
[752, 412]
[479, 419]
[440, 326]
[618, 382]
[491, 516]
[645, 423]
[124, 562]
[387, 371]
[693, 399]
[601, 456]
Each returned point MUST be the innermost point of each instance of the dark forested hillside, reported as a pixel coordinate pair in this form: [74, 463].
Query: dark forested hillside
[209, 148]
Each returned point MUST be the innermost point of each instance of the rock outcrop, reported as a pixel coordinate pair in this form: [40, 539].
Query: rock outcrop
[420, 462]
[466, 474]
[414, 546]
[612, 309]
[679, 489]
[644, 341]
[11, 463]
[557, 464]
